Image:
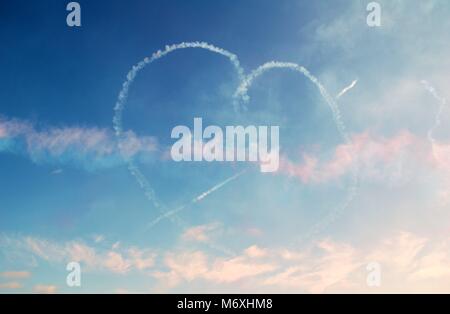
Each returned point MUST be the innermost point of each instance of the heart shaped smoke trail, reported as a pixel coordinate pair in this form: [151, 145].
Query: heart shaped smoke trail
[240, 94]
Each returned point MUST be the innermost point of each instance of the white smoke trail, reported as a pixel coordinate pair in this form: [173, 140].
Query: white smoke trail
[247, 82]
[442, 103]
[196, 199]
[346, 89]
[121, 101]
[120, 106]
[242, 93]
[123, 95]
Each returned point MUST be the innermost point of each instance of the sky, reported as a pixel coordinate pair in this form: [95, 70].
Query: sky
[364, 173]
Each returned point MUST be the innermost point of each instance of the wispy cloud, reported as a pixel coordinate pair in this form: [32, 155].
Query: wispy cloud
[195, 265]
[15, 274]
[87, 147]
[117, 260]
[45, 289]
[407, 260]
[200, 233]
[377, 156]
[10, 285]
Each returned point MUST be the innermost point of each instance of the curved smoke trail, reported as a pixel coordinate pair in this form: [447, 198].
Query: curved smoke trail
[120, 106]
[242, 93]
[442, 103]
[123, 95]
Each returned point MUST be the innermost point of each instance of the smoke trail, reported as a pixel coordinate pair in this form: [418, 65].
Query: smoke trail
[247, 82]
[121, 101]
[442, 103]
[196, 199]
[241, 93]
[346, 89]
[123, 95]
[120, 106]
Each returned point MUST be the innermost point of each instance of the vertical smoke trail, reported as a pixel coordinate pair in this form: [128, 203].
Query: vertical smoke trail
[442, 103]
[196, 199]
[241, 93]
[346, 89]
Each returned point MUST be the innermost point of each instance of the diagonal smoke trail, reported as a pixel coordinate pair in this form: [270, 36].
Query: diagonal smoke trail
[196, 199]
[241, 93]
[346, 89]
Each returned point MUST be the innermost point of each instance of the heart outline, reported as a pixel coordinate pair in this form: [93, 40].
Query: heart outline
[241, 93]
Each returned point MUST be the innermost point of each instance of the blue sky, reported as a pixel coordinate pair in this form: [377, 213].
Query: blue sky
[66, 192]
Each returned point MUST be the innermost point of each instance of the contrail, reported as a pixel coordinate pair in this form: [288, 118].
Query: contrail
[346, 89]
[241, 93]
[442, 103]
[196, 199]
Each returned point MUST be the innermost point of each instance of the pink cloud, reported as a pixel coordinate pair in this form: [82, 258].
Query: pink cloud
[10, 285]
[441, 156]
[45, 289]
[200, 233]
[79, 141]
[374, 155]
[118, 260]
[15, 274]
[189, 266]
[255, 251]
[116, 263]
